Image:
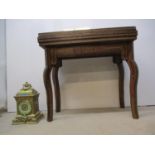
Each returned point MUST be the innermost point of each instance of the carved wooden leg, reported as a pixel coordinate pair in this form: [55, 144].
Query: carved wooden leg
[133, 87]
[118, 61]
[121, 84]
[49, 93]
[56, 88]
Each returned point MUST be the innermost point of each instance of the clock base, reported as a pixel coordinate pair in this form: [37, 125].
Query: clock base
[29, 119]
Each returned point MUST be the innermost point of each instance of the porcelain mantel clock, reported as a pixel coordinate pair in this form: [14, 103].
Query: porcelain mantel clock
[27, 105]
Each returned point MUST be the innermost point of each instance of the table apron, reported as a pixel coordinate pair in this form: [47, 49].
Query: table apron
[87, 51]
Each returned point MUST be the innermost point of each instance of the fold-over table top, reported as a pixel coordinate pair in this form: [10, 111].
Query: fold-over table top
[116, 34]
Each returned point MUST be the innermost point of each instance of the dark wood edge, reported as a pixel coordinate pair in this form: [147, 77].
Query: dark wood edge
[87, 36]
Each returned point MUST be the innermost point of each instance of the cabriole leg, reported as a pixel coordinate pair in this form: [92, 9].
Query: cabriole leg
[118, 61]
[49, 93]
[133, 87]
[56, 88]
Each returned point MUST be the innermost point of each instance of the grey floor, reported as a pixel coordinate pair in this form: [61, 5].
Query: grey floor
[85, 122]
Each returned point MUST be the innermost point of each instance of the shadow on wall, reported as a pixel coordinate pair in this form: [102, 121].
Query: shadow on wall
[89, 83]
[92, 69]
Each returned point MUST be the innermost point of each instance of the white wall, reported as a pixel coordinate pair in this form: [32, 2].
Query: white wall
[2, 64]
[84, 83]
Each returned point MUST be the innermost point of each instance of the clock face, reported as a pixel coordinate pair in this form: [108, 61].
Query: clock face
[25, 107]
